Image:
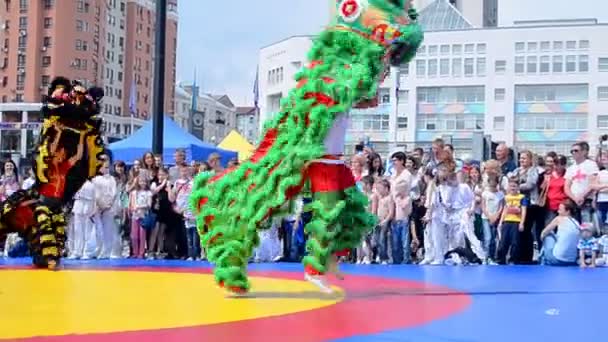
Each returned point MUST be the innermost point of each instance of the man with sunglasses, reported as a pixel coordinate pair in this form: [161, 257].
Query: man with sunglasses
[578, 181]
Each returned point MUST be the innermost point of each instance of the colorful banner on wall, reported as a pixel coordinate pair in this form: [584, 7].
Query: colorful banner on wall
[551, 108]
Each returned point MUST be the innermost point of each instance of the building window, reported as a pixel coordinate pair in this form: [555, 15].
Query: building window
[46, 42]
[602, 93]
[46, 61]
[421, 68]
[570, 63]
[421, 50]
[545, 46]
[520, 47]
[21, 61]
[456, 49]
[481, 49]
[386, 99]
[481, 66]
[20, 81]
[82, 6]
[499, 123]
[540, 122]
[519, 64]
[402, 96]
[81, 45]
[500, 66]
[432, 50]
[558, 63]
[583, 44]
[444, 50]
[19, 98]
[22, 42]
[558, 46]
[457, 67]
[48, 23]
[444, 67]
[602, 64]
[571, 45]
[532, 46]
[22, 23]
[402, 122]
[469, 67]
[23, 5]
[48, 4]
[531, 65]
[499, 94]
[46, 80]
[583, 63]
[469, 48]
[545, 64]
[432, 67]
[602, 121]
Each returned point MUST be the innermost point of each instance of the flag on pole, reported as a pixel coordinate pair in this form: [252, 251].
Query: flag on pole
[133, 98]
[256, 87]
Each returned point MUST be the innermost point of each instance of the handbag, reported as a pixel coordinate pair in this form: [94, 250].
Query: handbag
[149, 221]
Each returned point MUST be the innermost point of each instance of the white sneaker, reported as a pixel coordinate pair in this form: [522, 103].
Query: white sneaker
[425, 262]
[319, 282]
[189, 259]
[437, 262]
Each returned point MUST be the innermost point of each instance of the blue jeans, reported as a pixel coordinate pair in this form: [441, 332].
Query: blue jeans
[489, 238]
[547, 257]
[380, 242]
[194, 243]
[602, 216]
[400, 241]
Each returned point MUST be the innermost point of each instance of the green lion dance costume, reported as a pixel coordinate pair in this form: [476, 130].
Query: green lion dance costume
[347, 61]
[68, 155]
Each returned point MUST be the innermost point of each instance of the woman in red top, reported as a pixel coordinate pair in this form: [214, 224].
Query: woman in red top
[555, 192]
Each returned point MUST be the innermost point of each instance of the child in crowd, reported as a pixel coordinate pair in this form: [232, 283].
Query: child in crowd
[587, 247]
[140, 203]
[364, 252]
[183, 189]
[400, 231]
[491, 210]
[511, 223]
[386, 213]
[602, 259]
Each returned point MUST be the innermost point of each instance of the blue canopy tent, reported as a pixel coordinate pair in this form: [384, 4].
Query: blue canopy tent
[174, 137]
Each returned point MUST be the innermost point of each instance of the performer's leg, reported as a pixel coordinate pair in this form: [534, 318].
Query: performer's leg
[230, 254]
[44, 245]
[60, 226]
[339, 215]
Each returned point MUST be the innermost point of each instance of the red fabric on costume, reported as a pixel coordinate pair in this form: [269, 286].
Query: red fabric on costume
[330, 177]
[57, 175]
[22, 218]
[308, 269]
[342, 253]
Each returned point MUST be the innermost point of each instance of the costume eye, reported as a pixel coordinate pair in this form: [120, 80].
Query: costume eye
[350, 10]
[397, 3]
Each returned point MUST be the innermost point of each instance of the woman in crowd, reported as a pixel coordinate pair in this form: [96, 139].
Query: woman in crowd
[162, 207]
[375, 167]
[105, 197]
[560, 237]
[82, 241]
[122, 203]
[140, 203]
[554, 183]
[527, 177]
[9, 181]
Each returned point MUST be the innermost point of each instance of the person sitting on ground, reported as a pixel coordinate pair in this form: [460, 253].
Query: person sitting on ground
[587, 246]
[560, 237]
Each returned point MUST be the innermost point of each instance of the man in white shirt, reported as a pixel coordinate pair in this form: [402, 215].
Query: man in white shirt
[578, 181]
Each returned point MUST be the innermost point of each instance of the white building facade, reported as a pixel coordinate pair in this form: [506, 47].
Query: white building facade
[541, 87]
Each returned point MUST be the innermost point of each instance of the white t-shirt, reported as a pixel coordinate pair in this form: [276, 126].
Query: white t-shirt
[492, 201]
[580, 175]
[602, 176]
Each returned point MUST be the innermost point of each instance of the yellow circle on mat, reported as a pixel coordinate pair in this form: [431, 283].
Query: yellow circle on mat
[43, 303]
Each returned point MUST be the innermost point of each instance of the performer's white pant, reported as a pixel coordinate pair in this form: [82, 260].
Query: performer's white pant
[448, 231]
[83, 237]
[109, 243]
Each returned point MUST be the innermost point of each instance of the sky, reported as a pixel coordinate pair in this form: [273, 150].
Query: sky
[222, 39]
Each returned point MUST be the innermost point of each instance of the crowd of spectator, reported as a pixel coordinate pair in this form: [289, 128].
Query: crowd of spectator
[431, 209]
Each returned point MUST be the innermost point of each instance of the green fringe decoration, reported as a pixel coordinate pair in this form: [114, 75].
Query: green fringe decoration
[239, 205]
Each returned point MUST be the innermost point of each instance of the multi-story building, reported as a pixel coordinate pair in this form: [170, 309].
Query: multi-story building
[40, 40]
[214, 116]
[538, 85]
[247, 123]
[109, 43]
[139, 53]
[112, 68]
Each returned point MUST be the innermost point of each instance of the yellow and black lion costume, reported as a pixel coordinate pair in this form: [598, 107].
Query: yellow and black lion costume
[68, 154]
